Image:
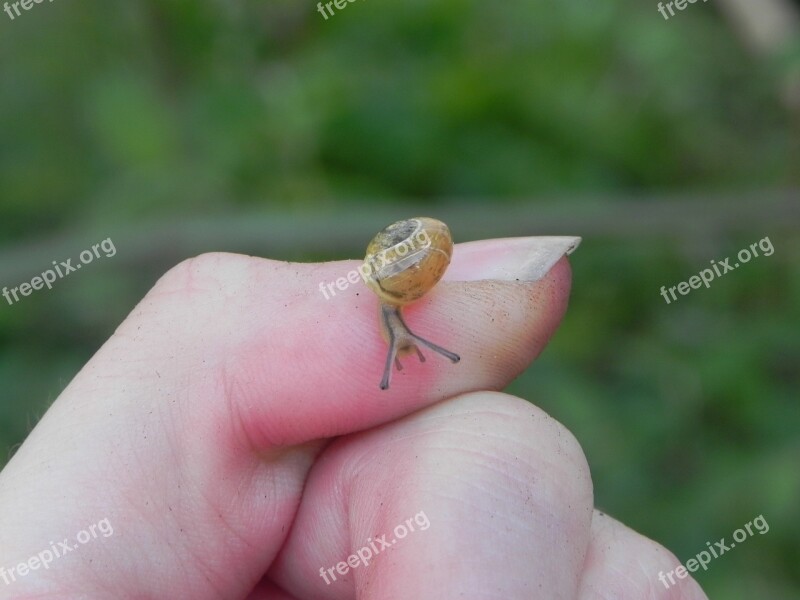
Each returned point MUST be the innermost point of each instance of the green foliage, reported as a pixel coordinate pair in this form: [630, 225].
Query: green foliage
[117, 113]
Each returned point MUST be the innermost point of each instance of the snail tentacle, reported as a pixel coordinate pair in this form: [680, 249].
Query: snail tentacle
[405, 261]
[401, 338]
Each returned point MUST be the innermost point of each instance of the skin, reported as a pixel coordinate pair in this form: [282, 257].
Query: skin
[233, 433]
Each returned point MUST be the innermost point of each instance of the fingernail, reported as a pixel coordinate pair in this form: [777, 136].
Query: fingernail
[509, 259]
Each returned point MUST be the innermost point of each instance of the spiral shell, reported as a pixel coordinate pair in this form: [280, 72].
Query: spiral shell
[406, 259]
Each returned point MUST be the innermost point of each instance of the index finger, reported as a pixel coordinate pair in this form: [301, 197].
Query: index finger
[294, 366]
[225, 362]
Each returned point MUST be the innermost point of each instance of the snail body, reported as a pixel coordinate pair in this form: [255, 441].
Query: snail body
[405, 261]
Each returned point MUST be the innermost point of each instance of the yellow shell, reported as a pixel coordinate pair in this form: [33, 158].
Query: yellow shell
[407, 258]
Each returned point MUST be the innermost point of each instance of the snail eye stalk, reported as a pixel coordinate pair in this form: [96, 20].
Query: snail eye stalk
[402, 338]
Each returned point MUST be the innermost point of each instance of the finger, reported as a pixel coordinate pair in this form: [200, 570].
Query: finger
[184, 419]
[625, 565]
[509, 259]
[480, 496]
[294, 367]
[314, 372]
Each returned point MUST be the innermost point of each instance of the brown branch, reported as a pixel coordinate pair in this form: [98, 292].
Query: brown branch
[344, 233]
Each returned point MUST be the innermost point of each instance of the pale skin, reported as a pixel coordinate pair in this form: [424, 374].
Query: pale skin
[203, 431]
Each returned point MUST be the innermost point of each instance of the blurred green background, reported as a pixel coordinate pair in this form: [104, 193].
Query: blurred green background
[177, 127]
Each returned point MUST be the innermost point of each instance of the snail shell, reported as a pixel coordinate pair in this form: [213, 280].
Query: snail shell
[407, 258]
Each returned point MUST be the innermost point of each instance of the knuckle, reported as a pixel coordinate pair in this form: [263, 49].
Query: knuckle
[200, 269]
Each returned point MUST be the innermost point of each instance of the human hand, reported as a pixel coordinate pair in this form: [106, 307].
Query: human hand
[233, 436]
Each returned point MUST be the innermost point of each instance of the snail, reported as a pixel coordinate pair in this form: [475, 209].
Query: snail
[405, 261]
